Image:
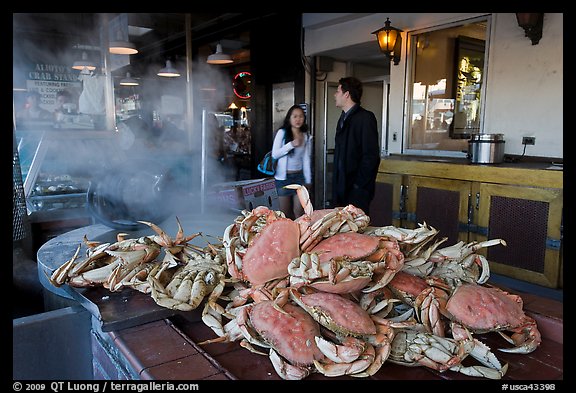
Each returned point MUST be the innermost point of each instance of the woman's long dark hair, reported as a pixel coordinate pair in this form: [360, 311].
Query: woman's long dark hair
[288, 128]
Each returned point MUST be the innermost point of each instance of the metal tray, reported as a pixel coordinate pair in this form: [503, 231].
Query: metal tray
[119, 310]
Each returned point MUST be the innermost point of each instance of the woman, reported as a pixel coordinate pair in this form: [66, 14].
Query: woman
[293, 150]
[32, 109]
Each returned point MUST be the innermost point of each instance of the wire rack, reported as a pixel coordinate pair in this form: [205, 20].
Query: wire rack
[20, 224]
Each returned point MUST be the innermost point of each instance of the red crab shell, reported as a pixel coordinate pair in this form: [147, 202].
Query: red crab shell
[292, 336]
[271, 251]
[339, 314]
[353, 245]
[484, 309]
[407, 286]
[341, 287]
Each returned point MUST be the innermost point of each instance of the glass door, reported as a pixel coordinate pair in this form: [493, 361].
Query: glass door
[331, 119]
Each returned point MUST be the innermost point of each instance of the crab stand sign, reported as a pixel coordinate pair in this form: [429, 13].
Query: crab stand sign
[48, 80]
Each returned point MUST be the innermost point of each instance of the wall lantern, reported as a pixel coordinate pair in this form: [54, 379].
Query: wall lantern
[532, 23]
[390, 41]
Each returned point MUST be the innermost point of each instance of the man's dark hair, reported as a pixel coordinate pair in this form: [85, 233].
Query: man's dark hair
[64, 93]
[353, 86]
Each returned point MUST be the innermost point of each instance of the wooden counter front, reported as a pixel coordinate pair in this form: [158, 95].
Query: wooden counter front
[526, 174]
[168, 350]
[520, 202]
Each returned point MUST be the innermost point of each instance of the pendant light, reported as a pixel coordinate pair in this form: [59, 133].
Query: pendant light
[129, 81]
[121, 46]
[169, 71]
[219, 57]
[84, 63]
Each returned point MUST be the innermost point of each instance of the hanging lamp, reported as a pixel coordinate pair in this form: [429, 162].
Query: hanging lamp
[121, 46]
[129, 81]
[84, 63]
[219, 57]
[169, 71]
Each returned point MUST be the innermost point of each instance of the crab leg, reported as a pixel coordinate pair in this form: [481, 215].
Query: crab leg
[479, 371]
[460, 250]
[160, 296]
[349, 351]
[286, 370]
[303, 197]
[60, 275]
[382, 354]
[337, 369]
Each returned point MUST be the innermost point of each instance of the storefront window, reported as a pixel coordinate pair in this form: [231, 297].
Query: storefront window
[446, 85]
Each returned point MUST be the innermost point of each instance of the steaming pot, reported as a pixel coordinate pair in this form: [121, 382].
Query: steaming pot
[136, 191]
[486, 148]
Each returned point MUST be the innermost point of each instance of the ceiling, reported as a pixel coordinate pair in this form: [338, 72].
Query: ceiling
[150, 32]
[158, 35]
[366, 53]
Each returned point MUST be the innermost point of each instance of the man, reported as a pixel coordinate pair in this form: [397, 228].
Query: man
[357, 152]
[62, 97]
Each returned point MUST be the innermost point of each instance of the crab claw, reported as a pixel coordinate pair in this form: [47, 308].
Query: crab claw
[285, 370]
[526, 338]
[162, 239]
[303, 197]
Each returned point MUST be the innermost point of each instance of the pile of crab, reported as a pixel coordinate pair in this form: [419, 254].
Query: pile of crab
[178, 275]
[326, 293]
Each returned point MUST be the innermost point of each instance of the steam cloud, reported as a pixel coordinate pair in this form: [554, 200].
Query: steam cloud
[151, 164]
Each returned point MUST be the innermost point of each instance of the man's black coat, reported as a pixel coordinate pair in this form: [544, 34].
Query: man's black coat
[356, 159]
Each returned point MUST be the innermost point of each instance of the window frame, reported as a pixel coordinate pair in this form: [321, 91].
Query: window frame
[409, 84]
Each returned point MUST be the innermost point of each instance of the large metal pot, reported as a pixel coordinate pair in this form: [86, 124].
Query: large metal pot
[141, 189]
[486, 148]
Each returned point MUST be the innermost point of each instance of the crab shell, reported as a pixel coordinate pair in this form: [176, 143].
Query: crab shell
[337, 313]
[271, 251]
[291, 333]
[353, 245]
[341, 275]
[485, 309]
[407, 287]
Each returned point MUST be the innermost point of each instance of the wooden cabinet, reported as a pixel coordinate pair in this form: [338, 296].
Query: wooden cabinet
[529, 220]
[441, 203]
[386, 206]
[468, 203]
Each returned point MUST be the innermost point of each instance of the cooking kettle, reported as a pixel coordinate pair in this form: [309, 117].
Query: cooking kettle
[486, 149]
[136, 191]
